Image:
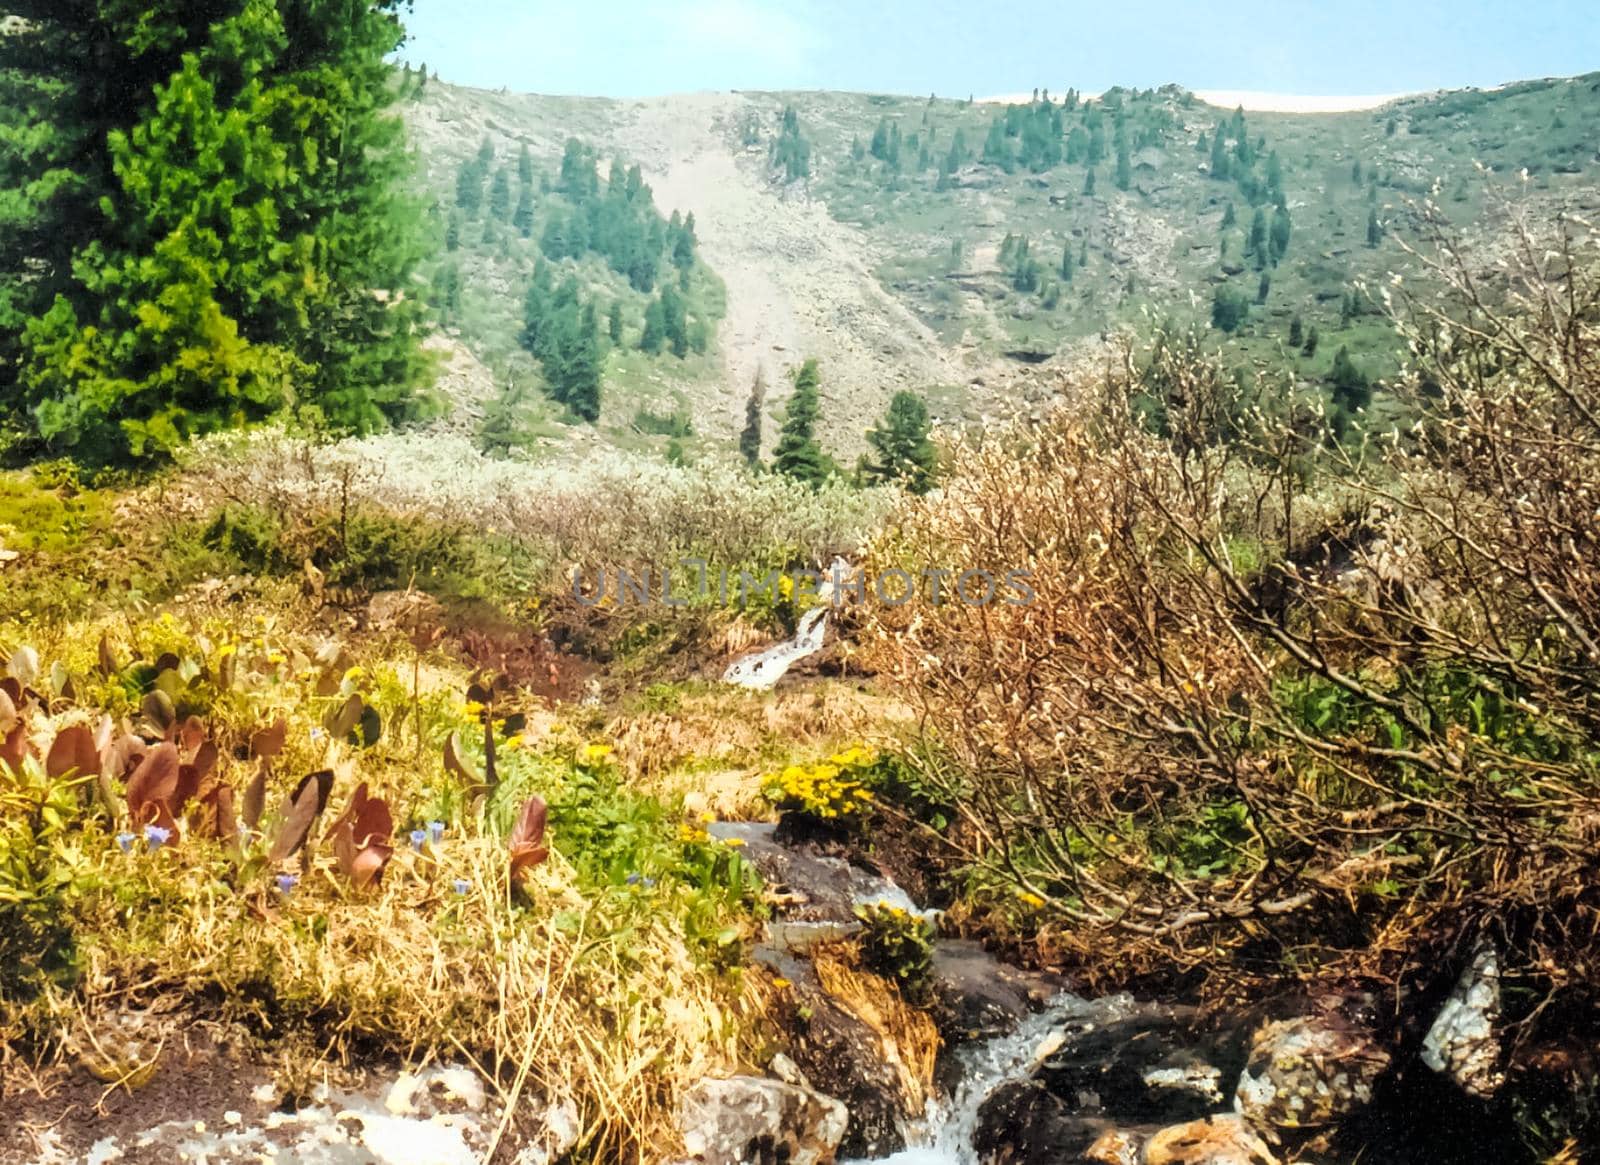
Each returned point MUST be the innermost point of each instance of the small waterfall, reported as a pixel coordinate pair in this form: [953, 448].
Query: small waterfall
[761, 672]
[945, 1136]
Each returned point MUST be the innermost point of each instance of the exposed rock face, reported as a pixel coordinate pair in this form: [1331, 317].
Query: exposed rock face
[1464, 1041]
[1308, 1072]
[750, 1120]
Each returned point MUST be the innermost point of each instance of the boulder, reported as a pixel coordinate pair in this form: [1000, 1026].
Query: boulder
[750, 1120]
[1142, 1063]
[977, 997]
[1024, 1123]
[1216, 1140]
[1309, 1072]
[1464, 1041]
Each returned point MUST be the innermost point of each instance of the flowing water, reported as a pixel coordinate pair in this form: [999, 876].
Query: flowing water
[762, 671]
[945, 1136]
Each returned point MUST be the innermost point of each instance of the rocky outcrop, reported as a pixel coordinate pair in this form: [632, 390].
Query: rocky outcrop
[750, 1120]
[1308, 1072]
[1464, 1041]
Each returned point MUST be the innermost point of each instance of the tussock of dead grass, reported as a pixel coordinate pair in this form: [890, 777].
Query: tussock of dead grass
[908, 1037]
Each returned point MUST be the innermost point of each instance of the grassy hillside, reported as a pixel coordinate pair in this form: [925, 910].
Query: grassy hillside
[929, 246]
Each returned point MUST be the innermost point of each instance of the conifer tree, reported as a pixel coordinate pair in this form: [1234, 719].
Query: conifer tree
[198, 240]
[1297, 335]
[905, 453]
[500, 195]
[750, 435]
[797, 454]
[1124, 167]
[614, 322]
[525, 166]
[1374, 228]
[1088, 183]
[522, 217]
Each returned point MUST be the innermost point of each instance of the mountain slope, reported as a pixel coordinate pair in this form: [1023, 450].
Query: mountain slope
[900, 260]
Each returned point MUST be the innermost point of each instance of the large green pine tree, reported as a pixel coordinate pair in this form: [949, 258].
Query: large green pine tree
[797, 454]
[216, 230]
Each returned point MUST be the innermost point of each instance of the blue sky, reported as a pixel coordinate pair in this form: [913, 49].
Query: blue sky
[641, 47]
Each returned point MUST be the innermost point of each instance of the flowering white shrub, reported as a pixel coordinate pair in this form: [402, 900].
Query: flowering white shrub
[611, 507]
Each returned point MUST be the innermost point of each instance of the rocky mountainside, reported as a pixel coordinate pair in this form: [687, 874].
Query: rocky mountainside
[966, 249]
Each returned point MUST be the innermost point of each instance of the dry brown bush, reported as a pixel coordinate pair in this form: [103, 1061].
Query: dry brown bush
[1284, 706]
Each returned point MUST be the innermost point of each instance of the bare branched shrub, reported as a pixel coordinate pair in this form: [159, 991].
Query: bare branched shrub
[1328, 707]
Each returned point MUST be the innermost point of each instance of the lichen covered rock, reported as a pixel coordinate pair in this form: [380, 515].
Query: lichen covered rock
[1308, 1072]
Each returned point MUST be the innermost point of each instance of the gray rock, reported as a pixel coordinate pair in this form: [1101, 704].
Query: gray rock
[1464, 1041]
[1308, 1072]
[750, 1120]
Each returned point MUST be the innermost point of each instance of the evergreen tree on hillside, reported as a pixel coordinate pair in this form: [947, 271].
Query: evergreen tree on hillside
[791, 152]
[1297, 334]
[525, 166]
[750, 435]
[1374, 228]
[905, 453]
[1220, 169]
[614, 322]
[797, 454]
[1088, 183]
[1313, 338]
[469, 187]
[1347, 384]
[1124, 167]
[522, 217]
[177, 253]
[1257, 242]
[1229, 216]
[654, 337]
[500, 196]
[1281, 230]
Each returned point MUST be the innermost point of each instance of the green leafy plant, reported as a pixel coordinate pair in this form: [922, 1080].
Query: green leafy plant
[898, 944]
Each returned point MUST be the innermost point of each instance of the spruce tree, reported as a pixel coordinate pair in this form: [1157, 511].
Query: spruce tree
[1088, 183]
[500, 196]
[522, 217]
[797, 454]
[1296, 331]
[525, 166]
[614, 322]
[905, 453]
[1124, 167]
[200, 238]
[750, 435]
[1374, 228]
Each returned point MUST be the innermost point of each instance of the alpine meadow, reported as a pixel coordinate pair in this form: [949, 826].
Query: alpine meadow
[793, 625]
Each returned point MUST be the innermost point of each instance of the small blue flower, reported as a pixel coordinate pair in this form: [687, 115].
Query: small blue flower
[641, 880]
[462, 886]
[316, 735]
[125, 841]
[633, 879]
[417, 838]
[436, 831]
[286, 883]
[156, 836]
